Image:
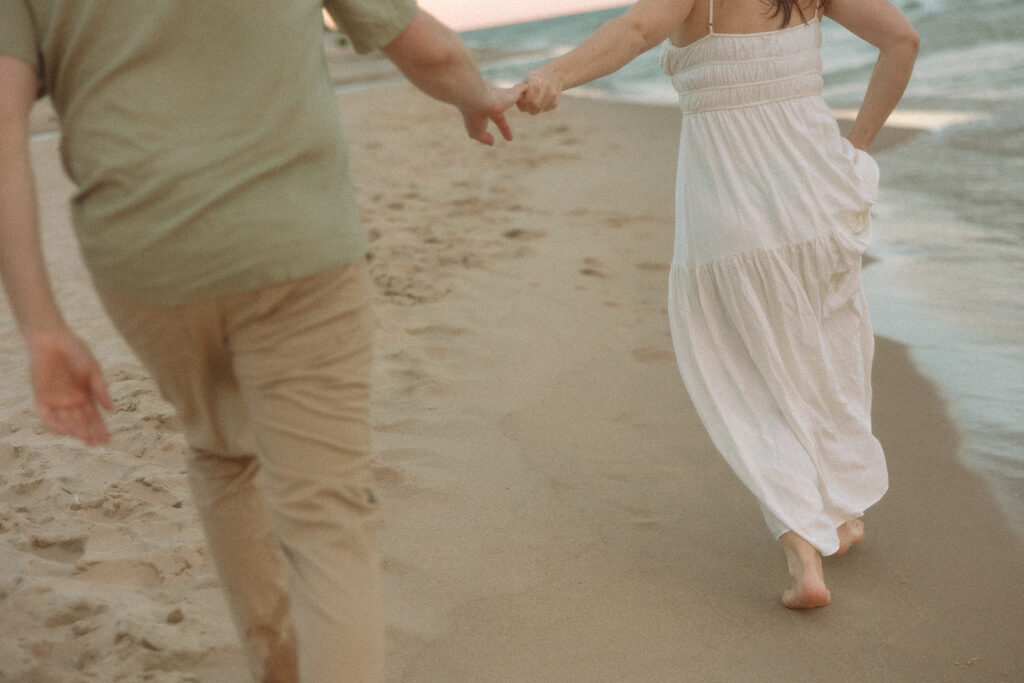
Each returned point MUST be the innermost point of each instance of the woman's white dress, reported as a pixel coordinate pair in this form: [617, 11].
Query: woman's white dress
[768, 315]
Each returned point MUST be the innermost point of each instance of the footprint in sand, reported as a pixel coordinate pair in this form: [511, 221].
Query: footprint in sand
[406, 290]
[122, 500]
[409, 469]
[65, 549]
[25, 489]
[387, 475]
[523, 234]
[163, 422]
[121, 571]
[465, 206]
[593, 268]
[77, 611]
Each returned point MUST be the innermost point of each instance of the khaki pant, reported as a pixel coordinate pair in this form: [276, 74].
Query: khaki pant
[272, 387]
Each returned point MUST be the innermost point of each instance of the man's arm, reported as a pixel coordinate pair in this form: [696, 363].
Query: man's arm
[437, 62]
[66, 379]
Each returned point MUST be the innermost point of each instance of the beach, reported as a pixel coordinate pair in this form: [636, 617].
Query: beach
[551, 508]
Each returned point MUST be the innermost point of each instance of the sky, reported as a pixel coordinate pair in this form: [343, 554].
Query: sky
[464, 15]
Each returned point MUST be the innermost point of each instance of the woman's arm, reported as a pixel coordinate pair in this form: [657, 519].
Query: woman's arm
[66, 379]
[615, 44]
[885, 27]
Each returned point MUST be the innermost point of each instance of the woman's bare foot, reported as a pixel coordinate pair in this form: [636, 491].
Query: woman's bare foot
[850, 534]
[804, 563]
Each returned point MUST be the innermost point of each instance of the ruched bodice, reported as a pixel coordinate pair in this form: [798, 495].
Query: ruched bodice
[724, 70]
[766, 307]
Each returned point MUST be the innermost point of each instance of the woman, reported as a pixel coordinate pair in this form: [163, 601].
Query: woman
[767, 311]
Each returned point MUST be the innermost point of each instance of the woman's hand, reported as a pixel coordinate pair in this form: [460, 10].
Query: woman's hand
[542, 91]
[612, 46]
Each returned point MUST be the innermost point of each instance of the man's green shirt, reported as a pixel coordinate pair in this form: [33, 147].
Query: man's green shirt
[202, 135]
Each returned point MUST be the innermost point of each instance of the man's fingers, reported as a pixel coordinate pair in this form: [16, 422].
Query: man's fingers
[64, 421]
[52, 419]
[96, 431]
[512, 95]
[503, 126]
[82, 422]
[98, 387]
[485, 137]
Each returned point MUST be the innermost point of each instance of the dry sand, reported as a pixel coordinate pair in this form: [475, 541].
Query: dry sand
[552, 508]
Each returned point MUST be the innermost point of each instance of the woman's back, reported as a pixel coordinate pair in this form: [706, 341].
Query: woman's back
[739, 16]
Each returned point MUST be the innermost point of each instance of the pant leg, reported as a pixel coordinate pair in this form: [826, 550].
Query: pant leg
[184, 350]
[245, 549]
[301, 354]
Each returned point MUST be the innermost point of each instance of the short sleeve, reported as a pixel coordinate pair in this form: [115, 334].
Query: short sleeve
[371, 24]
[17, 32]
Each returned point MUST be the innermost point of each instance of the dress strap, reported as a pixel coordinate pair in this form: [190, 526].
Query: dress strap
[711, 16]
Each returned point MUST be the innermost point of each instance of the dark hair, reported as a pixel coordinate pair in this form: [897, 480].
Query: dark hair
[785, 8]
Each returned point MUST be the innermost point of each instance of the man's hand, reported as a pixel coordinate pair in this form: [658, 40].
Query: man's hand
[477, 121]
[437, 62]
[68, 385]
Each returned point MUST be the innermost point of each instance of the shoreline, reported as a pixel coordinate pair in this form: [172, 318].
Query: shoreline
[552, 509]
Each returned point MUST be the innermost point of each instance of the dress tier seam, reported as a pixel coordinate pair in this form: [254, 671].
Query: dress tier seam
[797, 54]
[830, 234]
[764, 83]
[745, 105]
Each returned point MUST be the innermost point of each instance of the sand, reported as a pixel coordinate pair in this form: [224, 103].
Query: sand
[552, 509]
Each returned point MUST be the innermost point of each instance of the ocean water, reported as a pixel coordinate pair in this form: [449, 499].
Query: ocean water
[949, 225]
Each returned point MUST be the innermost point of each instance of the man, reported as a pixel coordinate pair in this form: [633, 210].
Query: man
[215, 213]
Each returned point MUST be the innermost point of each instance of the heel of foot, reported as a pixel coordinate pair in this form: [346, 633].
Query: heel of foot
[807, 598]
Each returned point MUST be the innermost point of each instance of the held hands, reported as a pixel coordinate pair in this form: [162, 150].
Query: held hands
[537, 93]
[541, 92]
[478, 119]
[68, 384]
